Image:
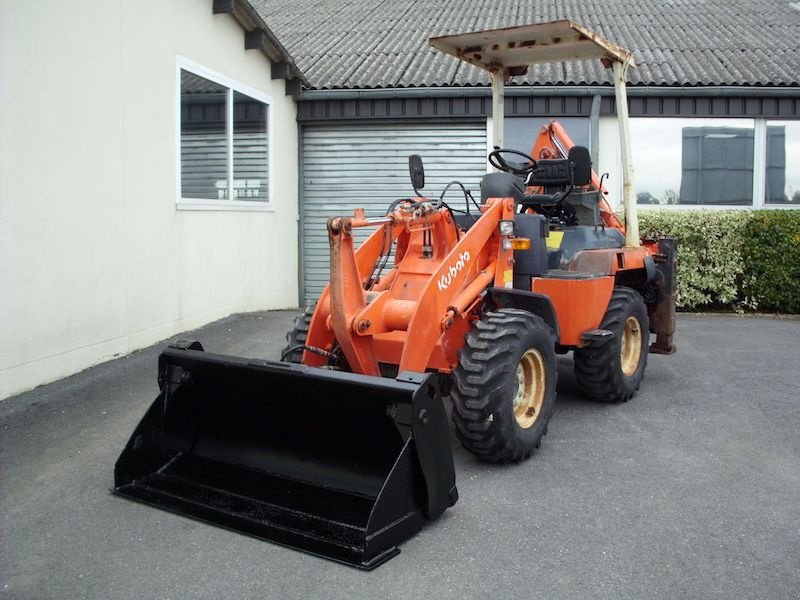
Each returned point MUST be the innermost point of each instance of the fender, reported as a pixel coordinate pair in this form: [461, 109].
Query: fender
[537, 304]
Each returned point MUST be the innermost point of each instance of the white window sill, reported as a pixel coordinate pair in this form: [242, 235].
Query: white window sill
[224, 205]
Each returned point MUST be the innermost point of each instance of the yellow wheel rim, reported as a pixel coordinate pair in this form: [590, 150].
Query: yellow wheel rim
[530, 388]
[631, 350]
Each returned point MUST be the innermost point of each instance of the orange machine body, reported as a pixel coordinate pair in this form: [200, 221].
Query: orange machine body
[416, 315]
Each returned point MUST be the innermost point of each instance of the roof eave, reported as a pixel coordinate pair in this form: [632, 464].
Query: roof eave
[258, 35]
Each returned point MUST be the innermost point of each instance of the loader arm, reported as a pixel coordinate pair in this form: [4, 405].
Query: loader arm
[348, 297]
[319, 334]
[431, 290]
[451, 290]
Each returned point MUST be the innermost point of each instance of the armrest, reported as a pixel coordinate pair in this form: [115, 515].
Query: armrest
[543, 199]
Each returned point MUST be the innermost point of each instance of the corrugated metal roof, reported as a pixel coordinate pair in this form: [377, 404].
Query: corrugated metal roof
[384, 43]
[251, 21]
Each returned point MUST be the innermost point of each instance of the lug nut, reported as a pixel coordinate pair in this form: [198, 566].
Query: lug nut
[423, 416]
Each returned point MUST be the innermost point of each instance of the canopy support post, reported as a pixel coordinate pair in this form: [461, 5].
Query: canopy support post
[628, 190]
[498, 106]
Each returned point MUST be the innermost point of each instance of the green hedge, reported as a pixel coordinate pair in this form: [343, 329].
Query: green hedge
[771, 250]
[740, 260]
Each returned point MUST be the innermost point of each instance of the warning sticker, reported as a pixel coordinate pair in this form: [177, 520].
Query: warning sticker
[554, 240]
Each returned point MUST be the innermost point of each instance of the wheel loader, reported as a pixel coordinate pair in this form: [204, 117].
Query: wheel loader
[342, 449]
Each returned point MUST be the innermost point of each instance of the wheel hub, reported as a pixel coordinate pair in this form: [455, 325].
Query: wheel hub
[530, 388]
[631, 347]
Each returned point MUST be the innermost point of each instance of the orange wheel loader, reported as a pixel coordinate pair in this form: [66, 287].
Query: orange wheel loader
[343, 448]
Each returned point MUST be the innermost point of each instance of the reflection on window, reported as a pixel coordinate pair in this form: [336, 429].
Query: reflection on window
[204, 145]
[783, 162]
[220, 159]
[693, 161]
[250, 149]
[520, 132]
[717, 165]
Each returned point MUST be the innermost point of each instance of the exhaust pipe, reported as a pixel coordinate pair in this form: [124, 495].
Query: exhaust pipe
[339, 465]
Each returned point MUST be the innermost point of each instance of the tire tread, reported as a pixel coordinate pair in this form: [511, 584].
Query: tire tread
[298, 335]
[487, 360]
[597, 368]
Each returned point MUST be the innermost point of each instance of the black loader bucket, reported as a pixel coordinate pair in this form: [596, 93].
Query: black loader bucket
[340, 465]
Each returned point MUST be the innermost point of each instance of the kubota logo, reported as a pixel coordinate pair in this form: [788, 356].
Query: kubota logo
[446, 279]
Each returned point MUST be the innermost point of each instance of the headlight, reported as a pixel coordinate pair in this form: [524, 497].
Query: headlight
[506, 227]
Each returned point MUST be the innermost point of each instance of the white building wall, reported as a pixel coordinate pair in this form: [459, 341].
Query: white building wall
[95, 260]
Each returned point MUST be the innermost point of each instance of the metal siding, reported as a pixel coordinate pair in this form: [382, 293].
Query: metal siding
[413, 108]
[352, 166]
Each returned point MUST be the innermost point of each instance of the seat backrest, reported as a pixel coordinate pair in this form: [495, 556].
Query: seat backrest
[581, 163]
[550, 173]
[576, 169]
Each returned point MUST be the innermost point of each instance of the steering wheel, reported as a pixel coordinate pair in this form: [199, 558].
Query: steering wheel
[497, 161]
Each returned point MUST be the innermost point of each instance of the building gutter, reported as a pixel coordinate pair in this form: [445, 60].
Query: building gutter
[552, 90]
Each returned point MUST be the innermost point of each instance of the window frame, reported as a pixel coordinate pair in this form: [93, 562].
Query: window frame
[760, 125]
[702, 121]
[765, 121]
[184, 64]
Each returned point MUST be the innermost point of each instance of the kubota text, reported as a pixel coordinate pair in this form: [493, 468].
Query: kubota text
[446, 279]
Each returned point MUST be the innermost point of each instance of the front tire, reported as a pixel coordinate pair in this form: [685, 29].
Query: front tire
[505, 385]
[296, 338]
[613, 371]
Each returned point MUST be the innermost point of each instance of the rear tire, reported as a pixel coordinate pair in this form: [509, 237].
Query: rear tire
[613, 371]
[297, 337]
[505, 385]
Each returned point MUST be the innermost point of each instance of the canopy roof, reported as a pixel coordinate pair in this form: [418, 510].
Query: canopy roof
[514, 48]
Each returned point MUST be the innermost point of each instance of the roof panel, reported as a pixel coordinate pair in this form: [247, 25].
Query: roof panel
[359, 43]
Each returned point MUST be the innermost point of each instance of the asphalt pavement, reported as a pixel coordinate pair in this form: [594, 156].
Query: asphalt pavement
[690, 490]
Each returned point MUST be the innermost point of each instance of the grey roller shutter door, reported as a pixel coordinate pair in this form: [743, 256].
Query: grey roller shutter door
[352, 166]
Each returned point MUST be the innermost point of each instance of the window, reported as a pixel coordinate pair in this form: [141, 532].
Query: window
[693, 161]
[521, 132]
[783, 163]
[224, 142]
